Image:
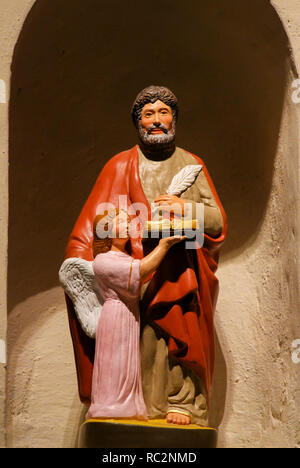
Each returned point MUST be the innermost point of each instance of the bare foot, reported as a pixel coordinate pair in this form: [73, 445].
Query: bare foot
[178, 418]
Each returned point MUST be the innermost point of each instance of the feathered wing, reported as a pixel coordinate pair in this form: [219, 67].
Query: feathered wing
[184, 179]
[78, 281]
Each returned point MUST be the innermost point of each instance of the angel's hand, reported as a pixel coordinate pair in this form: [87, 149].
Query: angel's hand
[167, 242]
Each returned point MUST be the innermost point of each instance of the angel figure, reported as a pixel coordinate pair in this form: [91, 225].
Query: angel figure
[116, 383]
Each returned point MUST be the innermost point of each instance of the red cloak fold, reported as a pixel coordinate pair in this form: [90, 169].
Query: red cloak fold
[182, 294]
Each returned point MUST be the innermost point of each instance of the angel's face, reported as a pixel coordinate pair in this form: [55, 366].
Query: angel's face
[121, 225]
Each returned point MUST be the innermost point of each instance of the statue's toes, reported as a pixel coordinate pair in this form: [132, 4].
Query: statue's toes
[178, 418]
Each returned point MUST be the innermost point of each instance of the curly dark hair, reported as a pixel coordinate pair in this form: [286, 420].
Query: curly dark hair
[152, 94]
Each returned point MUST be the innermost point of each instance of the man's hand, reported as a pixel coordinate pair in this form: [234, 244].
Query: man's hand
[171, 204]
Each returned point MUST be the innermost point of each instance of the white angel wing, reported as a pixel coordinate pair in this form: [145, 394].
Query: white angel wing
[78, 280]
[184, 179]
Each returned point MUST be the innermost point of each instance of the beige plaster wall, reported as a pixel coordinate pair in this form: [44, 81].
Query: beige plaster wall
[261, 293]
[3, 268]
[256, 398]
[12, 17]
[42, 405]
[257, 316]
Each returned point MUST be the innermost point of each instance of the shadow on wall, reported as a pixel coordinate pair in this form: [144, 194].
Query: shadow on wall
[76, 69]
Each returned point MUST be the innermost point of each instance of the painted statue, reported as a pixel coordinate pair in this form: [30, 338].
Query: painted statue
[178, 298]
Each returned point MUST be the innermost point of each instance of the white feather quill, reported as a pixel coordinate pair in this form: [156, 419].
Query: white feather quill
[184, 179]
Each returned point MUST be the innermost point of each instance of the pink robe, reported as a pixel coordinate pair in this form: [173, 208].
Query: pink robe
[116, 384]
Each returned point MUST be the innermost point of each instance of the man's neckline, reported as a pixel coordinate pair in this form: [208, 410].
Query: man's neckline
[156, 161]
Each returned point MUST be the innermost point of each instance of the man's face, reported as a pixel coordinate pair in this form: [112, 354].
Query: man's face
[157, 118]
[156, 126]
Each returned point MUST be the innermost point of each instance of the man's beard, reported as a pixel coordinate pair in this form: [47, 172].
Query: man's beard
[157, 142]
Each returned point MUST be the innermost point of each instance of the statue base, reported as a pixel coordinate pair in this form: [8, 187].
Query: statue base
[155, 433]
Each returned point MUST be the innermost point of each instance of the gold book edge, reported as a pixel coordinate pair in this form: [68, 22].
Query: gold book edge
[174, 224]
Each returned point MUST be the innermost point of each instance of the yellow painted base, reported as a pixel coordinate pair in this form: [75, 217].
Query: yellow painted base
[149, 423]
[154, 433]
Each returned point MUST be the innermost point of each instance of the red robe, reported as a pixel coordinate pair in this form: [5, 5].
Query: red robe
[182, 294]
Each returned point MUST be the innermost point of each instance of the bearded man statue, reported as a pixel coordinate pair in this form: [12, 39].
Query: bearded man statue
[178, 300]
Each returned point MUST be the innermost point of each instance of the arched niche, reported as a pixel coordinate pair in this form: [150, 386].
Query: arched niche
[77, 67]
